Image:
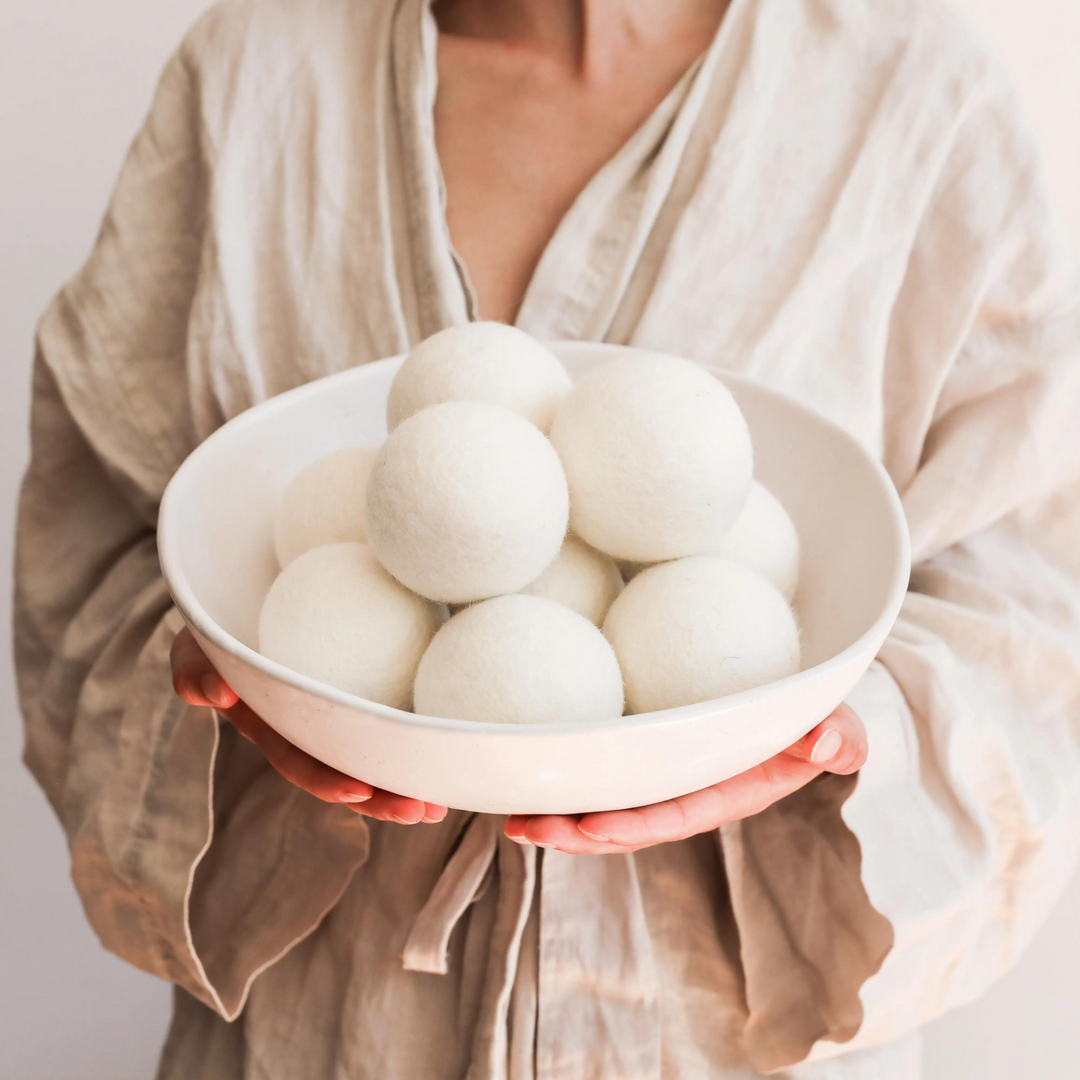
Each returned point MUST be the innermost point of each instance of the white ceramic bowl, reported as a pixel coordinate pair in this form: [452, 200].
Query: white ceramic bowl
[215, 544]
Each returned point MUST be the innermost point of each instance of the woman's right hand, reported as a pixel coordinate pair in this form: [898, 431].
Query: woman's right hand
[197, 681]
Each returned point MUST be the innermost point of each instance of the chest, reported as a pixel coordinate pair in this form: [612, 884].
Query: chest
[734, 237]
[518, 137]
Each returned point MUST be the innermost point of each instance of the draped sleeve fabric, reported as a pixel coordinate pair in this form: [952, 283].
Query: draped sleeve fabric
[188, 852]
[968, 809]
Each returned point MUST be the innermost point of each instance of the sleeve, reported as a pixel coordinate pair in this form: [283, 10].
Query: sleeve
[968, 810]
[192, 858]
[868, 908]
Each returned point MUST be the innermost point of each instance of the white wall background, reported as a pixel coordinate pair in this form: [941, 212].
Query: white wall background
[75, 80]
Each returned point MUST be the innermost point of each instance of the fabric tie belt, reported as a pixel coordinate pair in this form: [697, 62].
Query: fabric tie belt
[482, 854]
[465, 878]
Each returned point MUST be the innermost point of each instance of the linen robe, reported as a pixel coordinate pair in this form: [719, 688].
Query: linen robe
[841, 200]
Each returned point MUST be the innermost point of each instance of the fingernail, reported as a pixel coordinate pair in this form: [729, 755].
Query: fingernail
[827, 747]
[520, 840]
[353, 797]
[536, 843]
[403, 820]
[593, 835]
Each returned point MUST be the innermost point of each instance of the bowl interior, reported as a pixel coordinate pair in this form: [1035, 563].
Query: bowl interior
[219, 508]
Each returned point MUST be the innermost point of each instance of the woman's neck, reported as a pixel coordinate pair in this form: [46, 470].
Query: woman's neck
[534, 97]
[592, 37]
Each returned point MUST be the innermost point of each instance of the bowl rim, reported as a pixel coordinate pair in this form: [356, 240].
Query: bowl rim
[197, 617]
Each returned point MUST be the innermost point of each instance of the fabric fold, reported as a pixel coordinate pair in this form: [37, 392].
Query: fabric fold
[517, 866]
[809, 936]
[443, 294]
[204, 899]
[596, 974]
[462, 881]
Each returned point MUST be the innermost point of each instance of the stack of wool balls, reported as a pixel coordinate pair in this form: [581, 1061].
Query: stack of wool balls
[493, 455]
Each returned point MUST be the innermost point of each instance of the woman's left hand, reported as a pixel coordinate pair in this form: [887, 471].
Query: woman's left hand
[836, 745]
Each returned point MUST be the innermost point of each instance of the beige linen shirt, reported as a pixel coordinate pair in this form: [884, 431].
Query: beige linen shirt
[839, 200]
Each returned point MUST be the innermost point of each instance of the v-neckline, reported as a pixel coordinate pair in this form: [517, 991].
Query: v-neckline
[425, 182]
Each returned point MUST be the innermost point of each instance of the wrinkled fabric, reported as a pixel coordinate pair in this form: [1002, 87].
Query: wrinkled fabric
[839, 200]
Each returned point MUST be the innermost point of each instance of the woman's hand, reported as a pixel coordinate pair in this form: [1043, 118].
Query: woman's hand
[836, 745]
[198, 683]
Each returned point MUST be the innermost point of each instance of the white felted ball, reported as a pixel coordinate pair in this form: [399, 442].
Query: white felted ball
[323, 504]
[764, 537]
[336, 615]
[697, 629]
[466, 501]
[481, 361]
[519, 660]
[581, 578]
[657, 455]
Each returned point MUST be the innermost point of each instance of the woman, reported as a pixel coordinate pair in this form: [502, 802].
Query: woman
[836, 198]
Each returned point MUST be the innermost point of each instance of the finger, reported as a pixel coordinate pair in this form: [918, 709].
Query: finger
[327, 783]
[731, 800]
[837, 745]
[558, 831]
[194, 677]
[386, 806]
[294, 764]
[515, 826]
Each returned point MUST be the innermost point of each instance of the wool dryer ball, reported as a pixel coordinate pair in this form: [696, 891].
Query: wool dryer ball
[336, 615]
[581, 578]
[482, 361]
[466, 501]
[657, 455]
[764, 537]
[323, 504]
[697, 629]
[519, 660]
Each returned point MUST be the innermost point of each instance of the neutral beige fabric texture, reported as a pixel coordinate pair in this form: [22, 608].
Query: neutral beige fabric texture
[839, 200]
